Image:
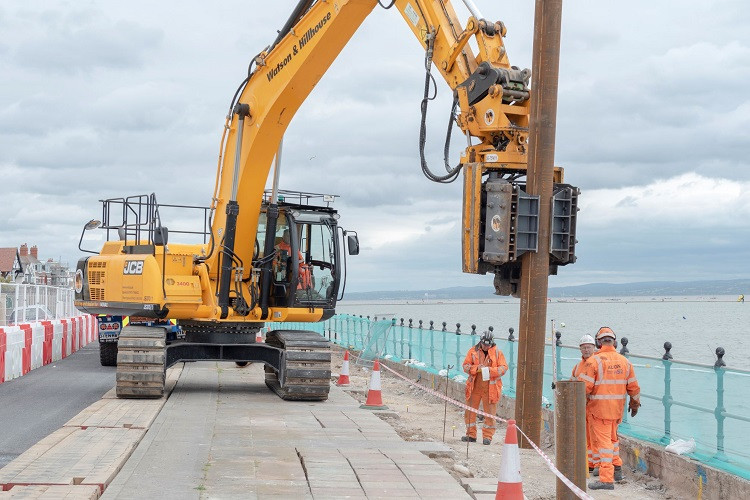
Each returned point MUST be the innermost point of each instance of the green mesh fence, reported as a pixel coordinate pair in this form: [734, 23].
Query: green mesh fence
[679, 400]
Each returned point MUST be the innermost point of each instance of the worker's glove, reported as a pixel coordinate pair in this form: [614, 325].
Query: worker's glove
[633, 406]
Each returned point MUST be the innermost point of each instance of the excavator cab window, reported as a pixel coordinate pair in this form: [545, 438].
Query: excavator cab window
[318, 273]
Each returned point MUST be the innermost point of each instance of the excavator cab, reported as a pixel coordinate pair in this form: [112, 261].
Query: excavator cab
[308, 265]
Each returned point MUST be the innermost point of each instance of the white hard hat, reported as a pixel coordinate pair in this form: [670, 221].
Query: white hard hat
[587, 339]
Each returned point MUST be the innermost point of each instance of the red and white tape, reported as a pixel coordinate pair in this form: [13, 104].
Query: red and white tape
[575, 489]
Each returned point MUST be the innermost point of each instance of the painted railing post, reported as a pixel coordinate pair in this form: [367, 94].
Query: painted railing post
[667, 398]
[432, 349]
[401, 326]
[422, 355]
[719, 411]
[558, 357]
[444, 360]
[458, 352]
[624, 351]
[511, 359]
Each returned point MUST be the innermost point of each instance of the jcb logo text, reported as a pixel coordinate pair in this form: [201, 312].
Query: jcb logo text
[133, 267]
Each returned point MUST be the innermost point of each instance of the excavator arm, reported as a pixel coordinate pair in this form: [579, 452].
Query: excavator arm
[241, 275]
[492, 99]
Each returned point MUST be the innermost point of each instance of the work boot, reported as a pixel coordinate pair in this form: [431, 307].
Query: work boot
[486, 441]
[469, 439]
[598, 485]
[595, 472]
[618, 473]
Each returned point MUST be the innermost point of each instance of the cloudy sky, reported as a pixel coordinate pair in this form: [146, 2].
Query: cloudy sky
[101, 99]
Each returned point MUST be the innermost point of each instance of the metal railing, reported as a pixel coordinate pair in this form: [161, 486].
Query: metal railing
[24, 303]
[681, 400]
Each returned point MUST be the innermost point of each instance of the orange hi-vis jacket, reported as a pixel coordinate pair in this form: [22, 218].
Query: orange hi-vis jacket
[578, 369]
[609, 378]
[495, 360]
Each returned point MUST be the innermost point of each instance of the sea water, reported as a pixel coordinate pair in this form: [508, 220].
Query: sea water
[695, 326]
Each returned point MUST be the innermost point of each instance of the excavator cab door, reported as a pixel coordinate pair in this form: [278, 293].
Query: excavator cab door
[305, 270]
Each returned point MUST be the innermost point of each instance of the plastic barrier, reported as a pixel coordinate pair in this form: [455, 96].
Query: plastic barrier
[47, 344]
[73, 335]
[65, 337]
[26, 359]
[37, 345]
[14, 338]
[2, 355]
[57, 338]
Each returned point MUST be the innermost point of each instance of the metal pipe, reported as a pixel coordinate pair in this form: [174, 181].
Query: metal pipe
[473, 9]
[535, 265]
[276, 172]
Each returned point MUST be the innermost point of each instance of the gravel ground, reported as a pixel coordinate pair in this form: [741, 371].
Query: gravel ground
[418, 416]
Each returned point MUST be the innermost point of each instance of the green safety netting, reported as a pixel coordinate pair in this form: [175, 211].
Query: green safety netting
[679, 400]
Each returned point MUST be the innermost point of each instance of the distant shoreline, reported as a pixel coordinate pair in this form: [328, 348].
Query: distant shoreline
[553, 300]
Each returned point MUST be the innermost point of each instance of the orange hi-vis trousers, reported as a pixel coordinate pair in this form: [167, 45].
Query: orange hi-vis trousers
[480, 393]
[592, 454]
[607, 444]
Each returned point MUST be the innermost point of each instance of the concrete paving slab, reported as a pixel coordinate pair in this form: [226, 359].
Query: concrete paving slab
[223, 434]
[51, 492]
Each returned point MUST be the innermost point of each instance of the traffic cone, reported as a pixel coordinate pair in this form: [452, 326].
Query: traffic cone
[344, 376]
[509, 486]
[258, 336]
[374, 396]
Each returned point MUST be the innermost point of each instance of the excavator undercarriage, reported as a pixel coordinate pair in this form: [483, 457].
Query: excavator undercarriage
[297, 363]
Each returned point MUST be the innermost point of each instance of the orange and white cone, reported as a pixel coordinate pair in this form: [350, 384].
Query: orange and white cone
[258, 336]
[344, 375]
[509, 486]
[374, 395]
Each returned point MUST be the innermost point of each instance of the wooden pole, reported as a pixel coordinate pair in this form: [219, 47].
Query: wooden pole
[570, 436]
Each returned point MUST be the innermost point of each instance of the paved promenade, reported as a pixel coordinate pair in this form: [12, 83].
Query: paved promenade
[223, 434]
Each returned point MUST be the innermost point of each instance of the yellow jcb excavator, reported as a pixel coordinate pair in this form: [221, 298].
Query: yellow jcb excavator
[271, 256]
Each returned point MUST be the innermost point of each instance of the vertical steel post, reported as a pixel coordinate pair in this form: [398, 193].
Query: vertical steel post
[512, 360]
[570, 436]
[458, 353]
[667, 401]
[719, 411]
[535, 265]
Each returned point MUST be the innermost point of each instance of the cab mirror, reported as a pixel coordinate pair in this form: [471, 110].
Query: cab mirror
[352, 242]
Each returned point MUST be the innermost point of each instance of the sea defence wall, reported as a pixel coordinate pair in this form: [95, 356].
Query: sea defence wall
[29, 345]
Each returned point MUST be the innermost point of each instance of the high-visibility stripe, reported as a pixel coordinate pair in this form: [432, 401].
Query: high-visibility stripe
[585, 378]
[616, 453]
[608, 396]
[611, 382]
[489, 426]
[493, 382]
[631, 380]
[473, 424]
[599, 369]
[605, 451]
[605, 460]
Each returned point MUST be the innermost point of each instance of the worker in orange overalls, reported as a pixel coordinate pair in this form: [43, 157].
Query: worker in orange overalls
[609, 379]
[485, 364]
[587, 345]
[304, 278]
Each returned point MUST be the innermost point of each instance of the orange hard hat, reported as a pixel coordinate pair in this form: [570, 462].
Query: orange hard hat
[604, 332]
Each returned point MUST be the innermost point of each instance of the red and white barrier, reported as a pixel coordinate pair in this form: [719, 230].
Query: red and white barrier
[27, 346]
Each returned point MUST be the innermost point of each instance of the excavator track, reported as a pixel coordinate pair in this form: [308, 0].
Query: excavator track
[305, 373]
[140, 362]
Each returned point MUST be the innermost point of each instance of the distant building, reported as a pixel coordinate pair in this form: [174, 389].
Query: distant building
[24, 262]
[10, 263]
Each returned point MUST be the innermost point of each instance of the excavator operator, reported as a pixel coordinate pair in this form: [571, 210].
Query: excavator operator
[305, 279]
